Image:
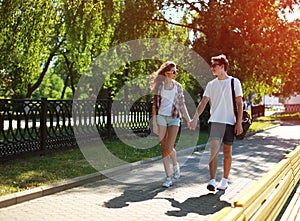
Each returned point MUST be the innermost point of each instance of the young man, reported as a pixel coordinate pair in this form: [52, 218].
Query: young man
[222, 122]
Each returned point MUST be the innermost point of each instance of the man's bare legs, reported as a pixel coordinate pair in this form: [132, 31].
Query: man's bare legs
[213, 161]
[227, 152]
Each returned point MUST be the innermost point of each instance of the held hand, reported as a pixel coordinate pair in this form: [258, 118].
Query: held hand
[188, 124]
[193, 124]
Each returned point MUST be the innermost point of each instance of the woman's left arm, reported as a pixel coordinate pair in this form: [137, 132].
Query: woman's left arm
[182, 105]
[185, 113]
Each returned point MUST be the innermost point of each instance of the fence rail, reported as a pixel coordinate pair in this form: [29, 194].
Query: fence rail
[39, 125]
[257, 111]
[292, 108]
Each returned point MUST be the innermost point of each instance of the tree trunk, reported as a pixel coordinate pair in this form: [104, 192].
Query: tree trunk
[31, 89]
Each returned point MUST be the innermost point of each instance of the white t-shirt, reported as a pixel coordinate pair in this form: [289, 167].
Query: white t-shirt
[167, 99]
[220, 98]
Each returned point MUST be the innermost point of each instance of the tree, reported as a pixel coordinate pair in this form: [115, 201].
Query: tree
[66, 36]
[253, 35]
[51, 86]
[126, 28]
[27, 32]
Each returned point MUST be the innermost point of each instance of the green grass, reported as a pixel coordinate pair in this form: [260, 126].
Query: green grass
[26, 173]
[260, 125]
[283, 116]
[268, 121]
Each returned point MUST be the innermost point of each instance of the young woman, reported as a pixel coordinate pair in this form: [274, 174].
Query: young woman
[167, 107]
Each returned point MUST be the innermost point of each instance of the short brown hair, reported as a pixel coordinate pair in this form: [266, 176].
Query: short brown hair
[221, 59]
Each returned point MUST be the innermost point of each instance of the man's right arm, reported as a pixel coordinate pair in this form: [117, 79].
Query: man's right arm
[199, 111]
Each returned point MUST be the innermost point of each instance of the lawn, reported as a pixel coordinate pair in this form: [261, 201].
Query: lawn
[29, 172]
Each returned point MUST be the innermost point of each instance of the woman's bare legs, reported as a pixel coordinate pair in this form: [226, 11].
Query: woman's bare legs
[172, 134]
[167, 136]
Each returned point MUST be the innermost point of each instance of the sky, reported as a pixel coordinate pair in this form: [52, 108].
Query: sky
[176, 15]
[295, 15]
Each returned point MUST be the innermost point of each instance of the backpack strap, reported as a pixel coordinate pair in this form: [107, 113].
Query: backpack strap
[233, 98]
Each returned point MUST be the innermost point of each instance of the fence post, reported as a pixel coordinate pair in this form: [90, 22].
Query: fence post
[43, 123]
[109, 111]
[257, 111]
[252, 112]
[150, 104]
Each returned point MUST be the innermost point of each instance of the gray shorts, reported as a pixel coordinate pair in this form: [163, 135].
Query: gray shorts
[167, 121]
[221, 131]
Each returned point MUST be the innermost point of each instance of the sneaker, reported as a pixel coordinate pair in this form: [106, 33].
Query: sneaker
[168, 182]
[223, 184]
[211, 185]
[176, 170]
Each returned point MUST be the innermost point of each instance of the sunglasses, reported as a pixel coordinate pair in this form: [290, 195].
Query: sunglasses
[215, 65]
[175, 72]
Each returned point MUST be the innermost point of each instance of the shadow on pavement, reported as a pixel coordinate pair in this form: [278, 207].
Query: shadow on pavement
[202, 205]
[134, 194]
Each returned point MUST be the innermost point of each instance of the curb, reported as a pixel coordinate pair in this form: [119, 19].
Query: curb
[19, 197]
[249, 134]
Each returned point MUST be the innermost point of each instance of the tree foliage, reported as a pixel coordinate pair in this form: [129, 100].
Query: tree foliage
[64, 36]
[42, 39]
[27, 32]
[262, 46]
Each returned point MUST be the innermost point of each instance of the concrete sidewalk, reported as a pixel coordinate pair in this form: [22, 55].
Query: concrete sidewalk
[120, 198]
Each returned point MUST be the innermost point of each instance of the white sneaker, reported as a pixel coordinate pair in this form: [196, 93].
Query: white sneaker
[223, 184]
[168, 182]
[176, 170]
[211, 185]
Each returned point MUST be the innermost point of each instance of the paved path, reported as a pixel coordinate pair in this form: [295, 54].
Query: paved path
[188, 199]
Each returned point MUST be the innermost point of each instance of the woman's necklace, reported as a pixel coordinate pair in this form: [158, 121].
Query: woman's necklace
[169, 84]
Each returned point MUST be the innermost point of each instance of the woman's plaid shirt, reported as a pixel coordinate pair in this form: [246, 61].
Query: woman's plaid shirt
[178, 102]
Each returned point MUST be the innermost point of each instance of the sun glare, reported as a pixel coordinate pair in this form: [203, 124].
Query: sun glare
[292, 16]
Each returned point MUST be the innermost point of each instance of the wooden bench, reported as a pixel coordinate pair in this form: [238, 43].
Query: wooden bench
[292, 212]
[266, 198]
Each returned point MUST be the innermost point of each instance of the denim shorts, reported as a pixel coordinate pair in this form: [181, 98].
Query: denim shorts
[167, 121]
[224, 132]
